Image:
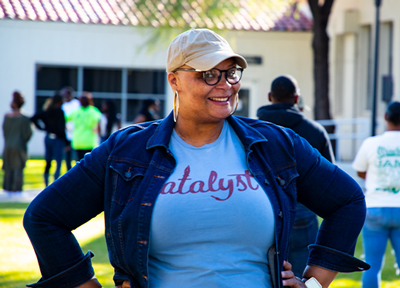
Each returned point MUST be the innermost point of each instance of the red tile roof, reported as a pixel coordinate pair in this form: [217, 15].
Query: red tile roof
[253, 15]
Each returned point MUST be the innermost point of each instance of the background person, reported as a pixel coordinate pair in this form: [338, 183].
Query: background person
[86, 126]
[110, 120]
[283, 111]
[70, 104]
[52, 120]
[149, 111]
[300, 103]
[17, 131]
[201, 198]
[378, 162]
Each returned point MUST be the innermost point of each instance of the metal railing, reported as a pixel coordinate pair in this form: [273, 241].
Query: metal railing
[355, 129]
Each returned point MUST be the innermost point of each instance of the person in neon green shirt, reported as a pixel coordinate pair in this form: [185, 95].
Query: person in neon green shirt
[86, 119]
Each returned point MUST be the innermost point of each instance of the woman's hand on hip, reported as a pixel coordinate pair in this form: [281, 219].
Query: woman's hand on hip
[288, 277]
[126, 284]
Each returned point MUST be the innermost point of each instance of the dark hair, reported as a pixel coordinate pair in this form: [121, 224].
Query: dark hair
[146, 104]
[393, 112]
[55, 102]
[111, 114]
[283, 88]
[18, 99]
[86, 99]
[68, 89]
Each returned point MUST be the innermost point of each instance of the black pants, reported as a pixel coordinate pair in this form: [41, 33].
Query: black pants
[68, 156]
[13, 180]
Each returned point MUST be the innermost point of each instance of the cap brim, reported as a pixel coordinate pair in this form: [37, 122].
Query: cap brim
[209, 61]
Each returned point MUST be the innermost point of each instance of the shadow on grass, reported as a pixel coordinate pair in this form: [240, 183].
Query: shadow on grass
[101, 264]
[16, 279]
[99, 248]
[103, 269]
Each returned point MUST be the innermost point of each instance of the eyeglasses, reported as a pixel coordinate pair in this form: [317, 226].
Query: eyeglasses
[213, 76]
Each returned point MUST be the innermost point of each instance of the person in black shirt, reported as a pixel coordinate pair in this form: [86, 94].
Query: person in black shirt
[52, 120]
[284, 96]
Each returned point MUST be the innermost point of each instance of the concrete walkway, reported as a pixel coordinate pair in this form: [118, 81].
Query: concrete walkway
[24, 197]
[28, 195]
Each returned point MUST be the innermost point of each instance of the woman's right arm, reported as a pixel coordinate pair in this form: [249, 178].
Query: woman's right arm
[35, 120]
[69, 202]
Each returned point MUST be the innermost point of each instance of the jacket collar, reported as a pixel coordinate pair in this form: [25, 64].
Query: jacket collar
[162, 134]
[247, 134]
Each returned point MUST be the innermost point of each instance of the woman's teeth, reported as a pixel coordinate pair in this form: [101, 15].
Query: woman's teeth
[220, 99]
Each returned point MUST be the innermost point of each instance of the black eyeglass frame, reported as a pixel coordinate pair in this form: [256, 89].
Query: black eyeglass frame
[220, 74]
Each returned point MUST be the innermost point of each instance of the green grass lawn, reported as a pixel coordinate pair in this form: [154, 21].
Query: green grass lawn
[33, 173]
[18, 264]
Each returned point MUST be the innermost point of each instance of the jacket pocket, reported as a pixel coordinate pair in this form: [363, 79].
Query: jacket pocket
[126, 179]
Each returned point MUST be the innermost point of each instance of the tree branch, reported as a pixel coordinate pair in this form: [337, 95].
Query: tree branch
[327, 7]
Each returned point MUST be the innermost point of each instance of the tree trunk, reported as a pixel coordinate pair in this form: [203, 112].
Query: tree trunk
[320, 45]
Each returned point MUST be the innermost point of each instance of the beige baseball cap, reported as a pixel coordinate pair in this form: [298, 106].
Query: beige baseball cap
[201, 49]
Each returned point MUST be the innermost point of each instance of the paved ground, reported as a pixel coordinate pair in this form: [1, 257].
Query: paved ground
[27, 196]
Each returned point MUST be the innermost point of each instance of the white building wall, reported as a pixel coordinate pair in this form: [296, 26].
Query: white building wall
[28, 43]
[357, 18]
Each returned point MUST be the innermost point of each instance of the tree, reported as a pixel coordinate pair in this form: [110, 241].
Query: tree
[320, 44]
[208, 13]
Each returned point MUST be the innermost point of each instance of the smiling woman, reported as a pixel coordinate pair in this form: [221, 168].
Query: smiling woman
[201, 198]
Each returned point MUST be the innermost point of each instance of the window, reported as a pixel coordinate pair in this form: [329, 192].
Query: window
[146, 81]
[52, 78]
[127, 87]
[243, 106]
[102, 80]
[49, 79]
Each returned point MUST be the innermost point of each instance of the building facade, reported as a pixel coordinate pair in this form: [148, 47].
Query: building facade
[352, 56]
[114, 59]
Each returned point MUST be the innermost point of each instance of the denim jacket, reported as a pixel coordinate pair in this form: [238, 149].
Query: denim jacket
[124, 175]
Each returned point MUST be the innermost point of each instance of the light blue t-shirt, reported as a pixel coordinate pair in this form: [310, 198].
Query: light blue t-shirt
[212, 224]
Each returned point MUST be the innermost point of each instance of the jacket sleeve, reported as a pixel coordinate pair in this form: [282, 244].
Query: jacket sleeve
[66, 204]
[333, 195]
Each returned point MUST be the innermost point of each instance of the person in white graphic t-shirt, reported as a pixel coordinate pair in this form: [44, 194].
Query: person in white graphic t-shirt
[378, 162]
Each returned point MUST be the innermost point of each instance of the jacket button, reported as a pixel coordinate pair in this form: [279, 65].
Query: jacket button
[280, 214]
[266, 181]
[128, 174]
[145, 277]
[281, 181]
[144, 242]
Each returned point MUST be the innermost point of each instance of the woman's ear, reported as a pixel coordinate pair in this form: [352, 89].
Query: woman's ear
[173, 80]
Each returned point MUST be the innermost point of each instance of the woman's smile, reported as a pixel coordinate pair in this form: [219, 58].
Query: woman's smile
[219, 99]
